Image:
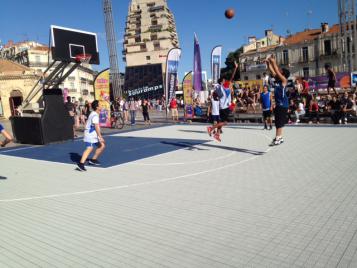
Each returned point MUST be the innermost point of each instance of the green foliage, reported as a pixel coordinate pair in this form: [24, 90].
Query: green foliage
[228, 70]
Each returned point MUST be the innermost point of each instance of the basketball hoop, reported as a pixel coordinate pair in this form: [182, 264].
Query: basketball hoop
[83, 58]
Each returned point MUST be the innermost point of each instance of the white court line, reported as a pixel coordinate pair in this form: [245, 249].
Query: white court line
[135, 184]
[18, 149]
[130, 185]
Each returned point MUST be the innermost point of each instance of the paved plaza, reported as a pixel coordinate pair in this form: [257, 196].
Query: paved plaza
[171, 196]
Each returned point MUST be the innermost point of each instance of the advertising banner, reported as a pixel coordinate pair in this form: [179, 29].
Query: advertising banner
[197, 66]
[188, 95]
[343, 80]
[216, 58]
[354, 79]
[173, 58]
[102, 94]
[144, 82]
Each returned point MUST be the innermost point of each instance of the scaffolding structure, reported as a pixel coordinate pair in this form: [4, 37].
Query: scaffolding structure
[348, 34]
[112, 49]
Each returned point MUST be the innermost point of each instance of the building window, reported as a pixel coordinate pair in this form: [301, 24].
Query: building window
[305, 54]
[37, 59]
[258, 77]
[246, 78]
[137, 39]
[285, 57]
[154, 22]
[327, 45]
[147, 57]
[154, 37]
[348, 44]
[306, 72]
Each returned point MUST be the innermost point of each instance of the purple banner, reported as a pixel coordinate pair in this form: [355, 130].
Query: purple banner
[343, 80]
[197, 68]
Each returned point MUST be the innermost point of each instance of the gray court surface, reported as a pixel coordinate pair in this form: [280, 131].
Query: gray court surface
[238, 203]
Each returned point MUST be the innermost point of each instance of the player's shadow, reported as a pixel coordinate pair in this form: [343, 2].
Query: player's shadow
[192, 131]
[239, 150]
[75, 157]
[3, 178]
[186, 145]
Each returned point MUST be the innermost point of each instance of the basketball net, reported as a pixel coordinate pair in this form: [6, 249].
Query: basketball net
[83, 58]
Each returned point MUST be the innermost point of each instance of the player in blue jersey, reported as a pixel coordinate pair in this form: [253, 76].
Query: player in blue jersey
[281, 99]
[266, 99]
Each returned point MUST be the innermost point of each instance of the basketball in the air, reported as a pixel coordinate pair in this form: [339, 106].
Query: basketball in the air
[229, 13]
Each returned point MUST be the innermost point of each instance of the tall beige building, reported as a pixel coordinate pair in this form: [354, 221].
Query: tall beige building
[150, 33]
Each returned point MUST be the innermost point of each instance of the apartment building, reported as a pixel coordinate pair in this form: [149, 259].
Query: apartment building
[149, 34]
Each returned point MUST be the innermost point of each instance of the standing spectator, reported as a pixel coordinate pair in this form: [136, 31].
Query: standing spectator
[126, 111]
[77, 114]
[281, 99]
[145, 109]
[7, 136]
[173, 107]
[87, 110]
[331, 79]
[133, 106]
[71, 111]
[267, 107]
[314, 111]
[299, 111]
[334, 107]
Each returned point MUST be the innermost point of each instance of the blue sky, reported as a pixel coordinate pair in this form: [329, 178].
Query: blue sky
[24, 19]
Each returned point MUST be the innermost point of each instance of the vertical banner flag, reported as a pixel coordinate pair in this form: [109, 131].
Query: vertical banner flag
[216, 63]
[102, 94]
[173, 58]
[188, 95]
[197, 68]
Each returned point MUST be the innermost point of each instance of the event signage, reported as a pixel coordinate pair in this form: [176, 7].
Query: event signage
[354, 79]
[102, 94]
[343, 80]
[216, 58]
[144, 82]
[197, 66]
[188, 95]
[173, 58]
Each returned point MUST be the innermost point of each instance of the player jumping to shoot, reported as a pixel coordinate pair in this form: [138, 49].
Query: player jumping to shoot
[224, 93]
[281, 99]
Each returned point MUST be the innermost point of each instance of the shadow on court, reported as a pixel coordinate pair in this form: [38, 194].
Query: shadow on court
[239, 150]
[119, 150]
[192, 131]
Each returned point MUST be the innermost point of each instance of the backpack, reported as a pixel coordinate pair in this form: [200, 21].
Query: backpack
[218, 91]
[198, 111]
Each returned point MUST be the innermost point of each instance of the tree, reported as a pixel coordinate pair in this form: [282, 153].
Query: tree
[228, 70]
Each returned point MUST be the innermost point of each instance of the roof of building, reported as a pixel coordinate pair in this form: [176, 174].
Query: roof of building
[260, 50]
[309, 35]
[7, 66]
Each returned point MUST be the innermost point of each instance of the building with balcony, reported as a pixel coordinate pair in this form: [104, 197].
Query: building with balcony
[304, 54]
[149, 34]
[37, 57]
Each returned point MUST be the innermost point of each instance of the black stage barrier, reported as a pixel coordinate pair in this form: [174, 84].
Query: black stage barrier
[54, 125]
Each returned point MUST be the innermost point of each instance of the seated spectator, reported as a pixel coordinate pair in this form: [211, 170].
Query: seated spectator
[291, 110]
[299, 111]
[334, 107]
[346, 107]
[314, 111]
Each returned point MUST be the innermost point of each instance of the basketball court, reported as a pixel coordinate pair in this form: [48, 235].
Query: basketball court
[172, 197]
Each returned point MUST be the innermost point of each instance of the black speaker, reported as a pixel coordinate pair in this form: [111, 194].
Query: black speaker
[53, 126]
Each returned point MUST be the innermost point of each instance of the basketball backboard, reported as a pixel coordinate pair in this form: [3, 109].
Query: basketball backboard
[67, 43]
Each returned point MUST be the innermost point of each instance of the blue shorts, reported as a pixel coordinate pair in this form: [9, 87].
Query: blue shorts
[215, 118]
[89, 144]
[1, 128]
